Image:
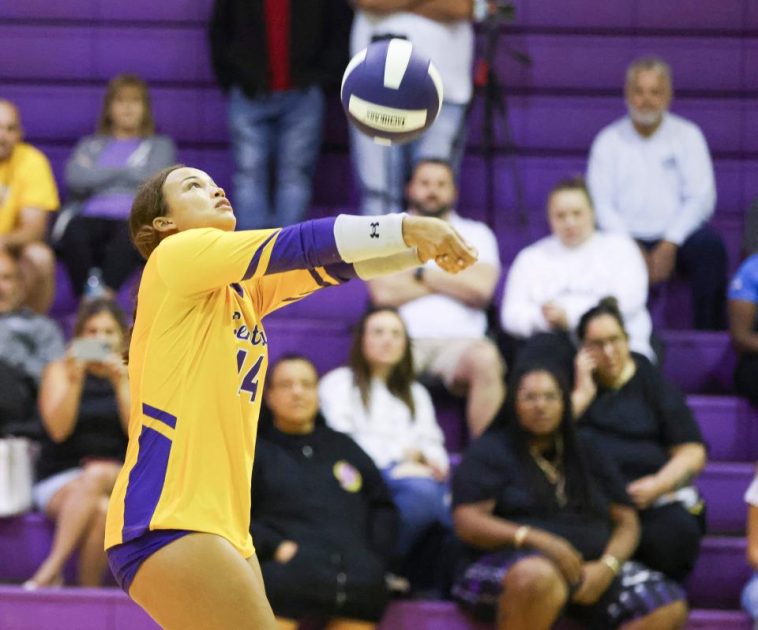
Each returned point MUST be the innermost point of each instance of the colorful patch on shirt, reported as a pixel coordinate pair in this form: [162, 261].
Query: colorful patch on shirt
[348, 476]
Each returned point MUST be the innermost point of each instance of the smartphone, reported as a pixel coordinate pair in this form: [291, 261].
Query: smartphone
[88, 349]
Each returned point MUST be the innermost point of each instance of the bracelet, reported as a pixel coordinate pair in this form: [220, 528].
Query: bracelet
[611, 562]
[419, 274]
[520, 536]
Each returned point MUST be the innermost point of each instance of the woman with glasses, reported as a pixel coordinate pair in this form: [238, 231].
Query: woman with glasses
[643, 422]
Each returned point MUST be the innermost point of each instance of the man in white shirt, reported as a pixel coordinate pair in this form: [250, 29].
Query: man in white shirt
[445, 315]
[442, 31]
[557, 279]
[651, 177]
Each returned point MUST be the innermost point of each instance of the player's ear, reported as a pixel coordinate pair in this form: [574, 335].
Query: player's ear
[164, 224]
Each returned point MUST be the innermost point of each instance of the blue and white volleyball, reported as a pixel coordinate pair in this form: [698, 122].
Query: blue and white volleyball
[391, 92]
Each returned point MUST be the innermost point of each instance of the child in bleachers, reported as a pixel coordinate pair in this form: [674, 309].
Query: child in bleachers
[84, 402]
[750, 594]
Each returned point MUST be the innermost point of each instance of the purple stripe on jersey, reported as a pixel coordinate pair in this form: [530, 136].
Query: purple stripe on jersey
[341, 271]
[145, 483]
[158, 414]
[304, 246]
[253, 266]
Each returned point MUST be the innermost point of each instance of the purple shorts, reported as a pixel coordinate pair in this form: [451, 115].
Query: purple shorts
[125, 559]
[635, 592]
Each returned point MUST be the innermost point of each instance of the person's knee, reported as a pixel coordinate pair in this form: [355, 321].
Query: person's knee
[482, 361]
[423, 498]
[535, 580]
[669, 617]
[40, 257]
[99, 477]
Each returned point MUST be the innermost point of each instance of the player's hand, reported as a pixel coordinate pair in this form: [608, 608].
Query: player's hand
[285, 551]
[438, 240]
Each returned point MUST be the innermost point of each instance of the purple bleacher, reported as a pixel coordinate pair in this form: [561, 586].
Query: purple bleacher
[727, 426]
[720, 573]
[345, 303]
[325, 343]
[110, 609]
[699, 362]
[723, 487]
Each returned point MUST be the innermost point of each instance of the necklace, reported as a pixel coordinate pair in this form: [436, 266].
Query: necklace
[553, 470]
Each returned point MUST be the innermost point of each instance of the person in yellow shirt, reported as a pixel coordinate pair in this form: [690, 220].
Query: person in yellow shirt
[27, 193]
[177, 530]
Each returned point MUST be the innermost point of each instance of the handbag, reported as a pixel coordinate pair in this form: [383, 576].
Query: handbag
[16, 475]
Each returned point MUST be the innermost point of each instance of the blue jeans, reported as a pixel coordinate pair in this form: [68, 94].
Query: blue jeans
[280, 131]
[383, 171]
[750, 597]
[421, 503]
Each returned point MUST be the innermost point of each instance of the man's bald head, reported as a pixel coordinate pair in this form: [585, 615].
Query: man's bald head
[10, 128]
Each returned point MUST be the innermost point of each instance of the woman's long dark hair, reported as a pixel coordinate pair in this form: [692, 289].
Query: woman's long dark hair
[578, 480]
[400, 378]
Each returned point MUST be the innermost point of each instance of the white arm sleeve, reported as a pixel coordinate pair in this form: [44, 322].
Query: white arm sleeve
[363, 238]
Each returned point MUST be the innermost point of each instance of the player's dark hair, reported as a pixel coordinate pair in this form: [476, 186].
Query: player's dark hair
[607, 306]
[148, 204]
[400, 378]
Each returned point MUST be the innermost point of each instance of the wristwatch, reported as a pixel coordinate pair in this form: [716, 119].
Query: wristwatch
[419, 275]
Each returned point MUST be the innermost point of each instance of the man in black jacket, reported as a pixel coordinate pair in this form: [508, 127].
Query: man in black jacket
[273, 58]
[323, 521]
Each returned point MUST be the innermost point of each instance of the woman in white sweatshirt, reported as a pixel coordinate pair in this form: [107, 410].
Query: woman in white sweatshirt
[377, 401]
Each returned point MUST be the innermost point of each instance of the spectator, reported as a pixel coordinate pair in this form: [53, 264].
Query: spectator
[548, 525]
[743, 327]
[322, 519]
[27, 194]
[273, 59]
[750, 593]
[84, 404]
[650, 175]
[29, 342]
[445, 315]
[643, 422]
[552, 282]
[442, 31]
[102, 177]
[377, 402]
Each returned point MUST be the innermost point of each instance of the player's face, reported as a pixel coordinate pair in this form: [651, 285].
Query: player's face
[570, 216]
[384, 340]
[539, 404]
[609, 347]
[648, 96]
[10, 130]
[10, 284]
[431, 191]
[103, 326]
[194, 200]
[292, 396]
[127, 110]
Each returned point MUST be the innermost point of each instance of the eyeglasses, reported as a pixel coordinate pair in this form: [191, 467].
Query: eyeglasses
[600, 344]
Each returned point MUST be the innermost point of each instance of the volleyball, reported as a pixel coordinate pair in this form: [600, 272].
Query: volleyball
[391, 92]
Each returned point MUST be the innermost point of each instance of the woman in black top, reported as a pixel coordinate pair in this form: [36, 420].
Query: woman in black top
[84, 405]
[548, 523]
[322, 519]
[644, 424]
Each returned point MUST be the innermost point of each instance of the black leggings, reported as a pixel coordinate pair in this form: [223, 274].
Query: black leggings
[670, 540]
[94, 242]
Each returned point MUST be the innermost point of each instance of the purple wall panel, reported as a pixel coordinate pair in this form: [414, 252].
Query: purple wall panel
[723, 486]
[151, 10]
[682, 15]
[596, 62]
[725, 424]
[576, 13]
[720, 573]
[44, 9]
[71, 53]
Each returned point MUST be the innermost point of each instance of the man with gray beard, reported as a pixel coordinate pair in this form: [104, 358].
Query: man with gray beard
[651, 177]
[445, 315]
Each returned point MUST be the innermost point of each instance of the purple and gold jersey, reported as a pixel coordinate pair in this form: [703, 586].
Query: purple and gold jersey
[198, 359]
